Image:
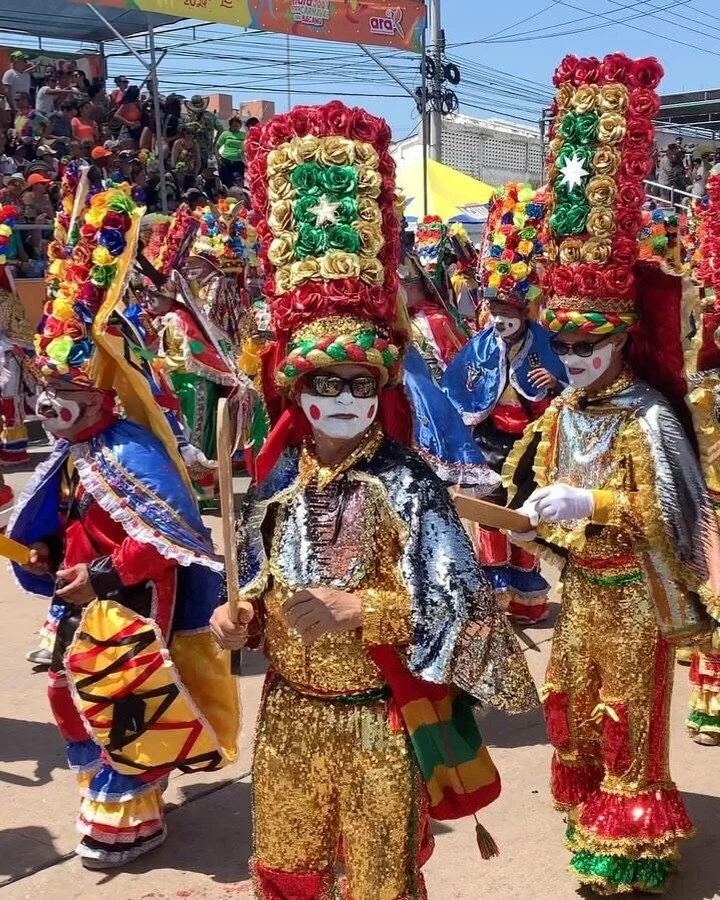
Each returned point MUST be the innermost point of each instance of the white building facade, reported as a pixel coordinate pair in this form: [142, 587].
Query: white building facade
[491, 150]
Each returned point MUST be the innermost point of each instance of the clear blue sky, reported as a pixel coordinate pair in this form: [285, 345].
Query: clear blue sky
[524, 39]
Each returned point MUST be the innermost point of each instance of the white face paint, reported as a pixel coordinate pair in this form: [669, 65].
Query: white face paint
[343, 416]
[506, 326]
[583, 371]
[58, 415]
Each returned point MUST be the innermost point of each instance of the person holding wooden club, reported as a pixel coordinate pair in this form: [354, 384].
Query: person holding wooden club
[380, 628]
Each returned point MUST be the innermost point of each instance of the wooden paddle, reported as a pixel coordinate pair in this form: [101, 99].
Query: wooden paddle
[14, 550]
[489, 514]
[225, 447]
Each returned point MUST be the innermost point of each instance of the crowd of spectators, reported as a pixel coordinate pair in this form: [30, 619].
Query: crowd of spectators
[50, 119]
[684, 167]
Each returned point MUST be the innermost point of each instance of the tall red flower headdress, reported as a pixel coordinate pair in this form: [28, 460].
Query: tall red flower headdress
[600, 153]
[323, 187]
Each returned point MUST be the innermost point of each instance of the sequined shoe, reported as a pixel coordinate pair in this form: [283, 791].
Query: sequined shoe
[707, 738]
[93, 857]
[39, 657]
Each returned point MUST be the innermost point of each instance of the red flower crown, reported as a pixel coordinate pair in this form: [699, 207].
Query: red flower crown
[322, 182]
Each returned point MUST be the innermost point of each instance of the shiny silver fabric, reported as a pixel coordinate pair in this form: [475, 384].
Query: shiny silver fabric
[460, 635]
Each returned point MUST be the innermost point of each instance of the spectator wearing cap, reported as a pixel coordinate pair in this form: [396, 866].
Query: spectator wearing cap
[36, 201]
[15, 187]
[102, 157]
[60, 127]
[48, 95]
[46, 156]
[17, 78]
[206, 126]
[84, 128]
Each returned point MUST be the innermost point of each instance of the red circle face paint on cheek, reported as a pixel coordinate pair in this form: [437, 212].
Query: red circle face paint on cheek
[65, 415]
[371, 411]
[314, 412]
[597, 363]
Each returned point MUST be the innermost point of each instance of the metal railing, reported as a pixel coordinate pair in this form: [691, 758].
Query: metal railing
[669, 197]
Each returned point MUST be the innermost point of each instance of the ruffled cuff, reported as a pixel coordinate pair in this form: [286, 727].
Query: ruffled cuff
[386, 617]
[617, 509]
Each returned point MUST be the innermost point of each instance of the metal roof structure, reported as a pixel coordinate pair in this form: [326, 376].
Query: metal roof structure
[700, 109]
[69, 21]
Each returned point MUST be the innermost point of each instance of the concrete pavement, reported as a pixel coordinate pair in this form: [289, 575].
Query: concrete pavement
[208, 845]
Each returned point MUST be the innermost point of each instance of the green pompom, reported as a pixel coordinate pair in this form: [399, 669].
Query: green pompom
[365, 339]
[337, 352]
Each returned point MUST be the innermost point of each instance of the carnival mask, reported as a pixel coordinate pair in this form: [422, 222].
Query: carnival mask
[58, 414]
[338, 407]
[584, 371]
[506, 326]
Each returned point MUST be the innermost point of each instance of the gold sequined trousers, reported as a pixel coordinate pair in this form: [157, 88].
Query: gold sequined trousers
[332, 779]
[607, 702]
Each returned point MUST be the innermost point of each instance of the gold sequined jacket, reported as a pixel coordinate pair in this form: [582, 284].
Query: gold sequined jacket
[652, 510]
[380, 524]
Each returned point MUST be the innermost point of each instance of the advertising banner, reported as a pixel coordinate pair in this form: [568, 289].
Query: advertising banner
[387, 23]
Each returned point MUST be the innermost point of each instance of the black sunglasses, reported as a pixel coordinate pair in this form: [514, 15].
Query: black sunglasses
[361, 386]
[582, 348]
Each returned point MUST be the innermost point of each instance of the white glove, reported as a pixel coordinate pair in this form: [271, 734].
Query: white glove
[561, 503]
[192, 456]
[523, 537]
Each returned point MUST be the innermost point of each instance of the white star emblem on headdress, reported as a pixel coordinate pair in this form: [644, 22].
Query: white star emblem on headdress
[325, 211]
[573, 172]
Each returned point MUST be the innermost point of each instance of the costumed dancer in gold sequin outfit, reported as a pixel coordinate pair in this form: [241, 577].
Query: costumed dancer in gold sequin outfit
[379, 625]
[612, 483]
[703, 380]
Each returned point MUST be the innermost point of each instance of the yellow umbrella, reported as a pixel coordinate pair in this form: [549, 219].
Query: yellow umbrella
[448, 190]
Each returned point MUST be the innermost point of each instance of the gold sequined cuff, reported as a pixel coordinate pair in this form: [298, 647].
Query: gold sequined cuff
[386, 616]
[618, 509]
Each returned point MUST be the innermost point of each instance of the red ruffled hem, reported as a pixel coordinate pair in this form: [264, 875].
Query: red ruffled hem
[645, 822]
[277, 884]
[572, 785]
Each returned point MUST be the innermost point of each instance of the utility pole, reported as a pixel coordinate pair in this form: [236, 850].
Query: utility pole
[436, 49]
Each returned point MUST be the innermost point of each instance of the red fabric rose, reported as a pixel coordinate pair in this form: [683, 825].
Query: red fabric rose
[386, 165]
[302, 120]
[615, 67]
[75, 329]
[364, 127]
[587, 70]
[589, 281]
[53, 327]
[624, 251]
[337, 118]
[563, 280]
[78, 274]
[121, 221]
[619, 280]
[88, 232]
[90, 294]
[644, 103]
[390, 289]
[628, 222]
[635, 165]
[566, 70]
[278, 131]
[639, 134]
[253, 142]
[631, 195]
[646, 73]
